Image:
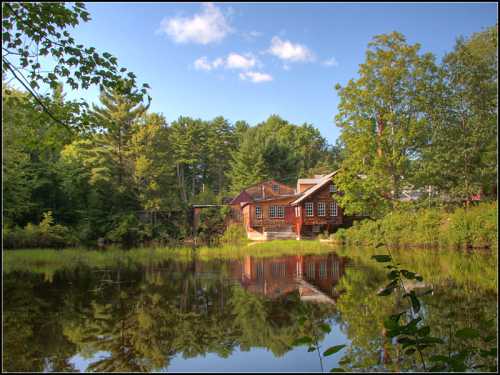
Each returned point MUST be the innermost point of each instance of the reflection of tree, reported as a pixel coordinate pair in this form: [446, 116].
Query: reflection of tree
[142, 316]
[453, 305]
[31, 328]
[272, 324]
[362, 315]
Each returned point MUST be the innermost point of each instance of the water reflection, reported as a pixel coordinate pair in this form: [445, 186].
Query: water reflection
[191, 315]
[139, 317]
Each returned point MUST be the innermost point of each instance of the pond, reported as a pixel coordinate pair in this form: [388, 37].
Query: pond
[229, 314]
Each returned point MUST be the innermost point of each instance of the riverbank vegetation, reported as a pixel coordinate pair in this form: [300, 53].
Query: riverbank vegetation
[473, 227]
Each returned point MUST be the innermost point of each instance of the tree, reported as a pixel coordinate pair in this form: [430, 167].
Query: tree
[118, 119]
[381, 115]
[460, 155]
[276, 149]
[31, 30]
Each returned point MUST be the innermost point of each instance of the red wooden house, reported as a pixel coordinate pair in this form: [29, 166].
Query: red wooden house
[271, 210]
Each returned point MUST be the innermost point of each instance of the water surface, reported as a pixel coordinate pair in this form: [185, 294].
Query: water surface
[223, 314]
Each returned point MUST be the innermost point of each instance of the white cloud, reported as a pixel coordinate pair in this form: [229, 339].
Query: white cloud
[236, 61]
[255, 77]
[331, 62]
[203, 28]
[203, 64]
[232, 61]
[218, 62]
[286, 50]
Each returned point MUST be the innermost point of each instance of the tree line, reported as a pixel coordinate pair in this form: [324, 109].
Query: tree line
[132, 176]
[409, 122]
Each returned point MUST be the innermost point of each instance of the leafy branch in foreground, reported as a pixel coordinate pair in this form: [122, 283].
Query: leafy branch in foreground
[408, 329]
[316, 329]
[32, 32]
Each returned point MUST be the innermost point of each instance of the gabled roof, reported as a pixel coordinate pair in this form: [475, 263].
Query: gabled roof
[241, 197]
[246, 194]
[315, 188]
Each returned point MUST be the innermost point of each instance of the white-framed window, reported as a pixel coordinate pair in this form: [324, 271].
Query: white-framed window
[335, 269]
[333, 188]
[260, 270]
[276, 212]
[258, 212]
[276, 188]
[310, 271]
[281, 211]
[321, 208]
[278, 269]
[309, 208]
[333, 209]
[322, 270]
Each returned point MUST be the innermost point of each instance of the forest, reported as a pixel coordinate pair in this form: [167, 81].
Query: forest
[77, 173]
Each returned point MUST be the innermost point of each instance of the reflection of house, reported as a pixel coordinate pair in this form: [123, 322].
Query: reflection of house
[313, 276]
[273, 210]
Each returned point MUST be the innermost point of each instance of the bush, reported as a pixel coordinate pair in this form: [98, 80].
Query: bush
[473, 227]
[127, 231]
[45, 234]
[212, 224]
[235, 234]
[428, 227]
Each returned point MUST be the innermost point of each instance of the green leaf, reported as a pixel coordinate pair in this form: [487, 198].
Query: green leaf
[325, 328]
[382, 258]
[302, 340]
[410, 351]
[467, 333]
[409, 275]
[388, 289]
[431, 340]
[424, 331]
[311, 349]
[333, 350]
[337, 369]
[415, 303]
[393, 274]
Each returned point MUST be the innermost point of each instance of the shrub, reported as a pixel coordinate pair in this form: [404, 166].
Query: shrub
[45, 234]
[428, 227]
[235, 234]
[127, 231]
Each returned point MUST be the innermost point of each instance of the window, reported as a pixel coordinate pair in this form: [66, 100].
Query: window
[335, 269]
[310, 271]
[278, 269]
[276, 211]
[333, 188]
[333, 209]
[258, 212]
[276, 188]
[321, 209]
[309, 209]
[322, 270]
[281, 211]
[260, 270]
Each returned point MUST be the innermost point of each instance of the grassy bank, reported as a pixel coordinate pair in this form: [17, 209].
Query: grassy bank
[49, 260]
[475, 227]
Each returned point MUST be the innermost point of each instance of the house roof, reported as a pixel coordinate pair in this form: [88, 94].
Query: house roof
[247, 196]
[315, 188]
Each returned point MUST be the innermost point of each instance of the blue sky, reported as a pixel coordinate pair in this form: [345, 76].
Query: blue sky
[248, 61]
